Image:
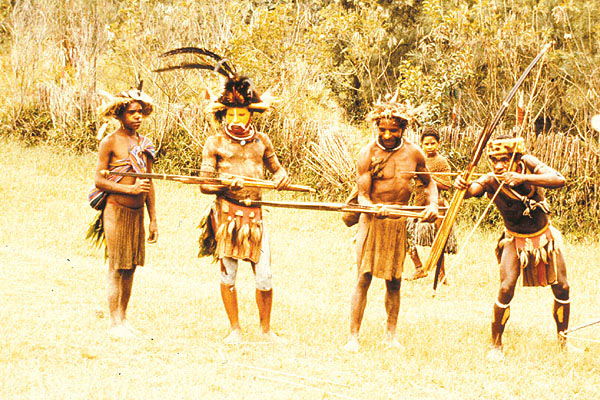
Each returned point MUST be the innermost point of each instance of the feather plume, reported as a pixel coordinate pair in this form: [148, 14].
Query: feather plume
[231, 230]
[524, 259]
[207, 240]
[202, 52]
[206, 67]
[255, 234]
[220, 235]
[218, 63]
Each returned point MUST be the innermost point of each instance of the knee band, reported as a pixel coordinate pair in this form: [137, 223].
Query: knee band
[567, 301]
[500, 305]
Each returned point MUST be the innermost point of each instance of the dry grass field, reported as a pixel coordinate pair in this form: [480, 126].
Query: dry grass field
[53, 341]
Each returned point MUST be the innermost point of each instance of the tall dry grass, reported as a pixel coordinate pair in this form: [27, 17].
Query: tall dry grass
[54, 343]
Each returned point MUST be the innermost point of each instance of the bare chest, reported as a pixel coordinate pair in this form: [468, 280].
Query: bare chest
[247, 159]
[391, 181]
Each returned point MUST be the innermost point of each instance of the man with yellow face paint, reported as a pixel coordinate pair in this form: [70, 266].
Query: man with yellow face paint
[233, 231]
[530, 246]
[239, 150]
[423, 233]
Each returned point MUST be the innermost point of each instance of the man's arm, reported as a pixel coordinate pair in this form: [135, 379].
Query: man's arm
[543, 175]
[150, 205]
[431, 192]
[473, 189]
[363, 177]
[271, 162]
[209, 166]
[106, 185]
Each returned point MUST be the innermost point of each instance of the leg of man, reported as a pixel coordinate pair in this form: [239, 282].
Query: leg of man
[414, 256]
[126, 285]
[264, 289]
[113, 291]
[116, 286]
[357, 310]
[229, 296]
[562, 303]
[114, 281]
[392, 307]
[264, 301]
[509, 273]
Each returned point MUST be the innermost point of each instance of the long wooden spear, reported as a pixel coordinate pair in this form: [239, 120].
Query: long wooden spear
[586, 325]
[444, 231]
[200, 180]
[394, 210]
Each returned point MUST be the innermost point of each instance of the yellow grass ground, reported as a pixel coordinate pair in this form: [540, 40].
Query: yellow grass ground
[53, 341]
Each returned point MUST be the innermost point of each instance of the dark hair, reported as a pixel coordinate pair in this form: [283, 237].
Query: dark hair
[401, 122]
[121, 108]
[432, 132]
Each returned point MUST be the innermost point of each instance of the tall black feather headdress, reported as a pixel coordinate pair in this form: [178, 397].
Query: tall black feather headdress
[238, 90]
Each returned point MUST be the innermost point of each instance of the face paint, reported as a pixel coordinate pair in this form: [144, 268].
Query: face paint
[237, 120]
[430, 146]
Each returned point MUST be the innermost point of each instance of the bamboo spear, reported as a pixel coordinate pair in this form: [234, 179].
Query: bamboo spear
[444, 231]
[394, 210]
[588, 324]
[200, 180]
[435, 173]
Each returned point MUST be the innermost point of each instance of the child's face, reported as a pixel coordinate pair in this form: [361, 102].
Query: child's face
[430, 146]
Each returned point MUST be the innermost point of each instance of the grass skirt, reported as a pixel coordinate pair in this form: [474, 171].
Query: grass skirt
[423, 234]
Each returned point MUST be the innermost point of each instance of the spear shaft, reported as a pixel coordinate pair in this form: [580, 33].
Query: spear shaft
[394, 211]
[588, 324]
[199, 180]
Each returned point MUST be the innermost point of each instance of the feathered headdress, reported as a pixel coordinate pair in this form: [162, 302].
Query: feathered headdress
[114, 104]
[238, 90]
[392, 108]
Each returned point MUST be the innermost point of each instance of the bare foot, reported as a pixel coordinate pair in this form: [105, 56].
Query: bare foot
[272, 337]
[495, 355]
[234, 337]
[120, 332]
[418, 274]
[391, 341]
[131, 328]
[568, 347]
[352, 346]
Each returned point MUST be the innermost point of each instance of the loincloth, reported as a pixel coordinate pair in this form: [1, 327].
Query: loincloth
[124, 236]
[423, 234]
[536, 253]
[381, 246]
[238, 230]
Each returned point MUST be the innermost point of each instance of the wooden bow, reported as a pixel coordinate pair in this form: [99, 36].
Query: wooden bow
[201, 180]
[441, 237]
